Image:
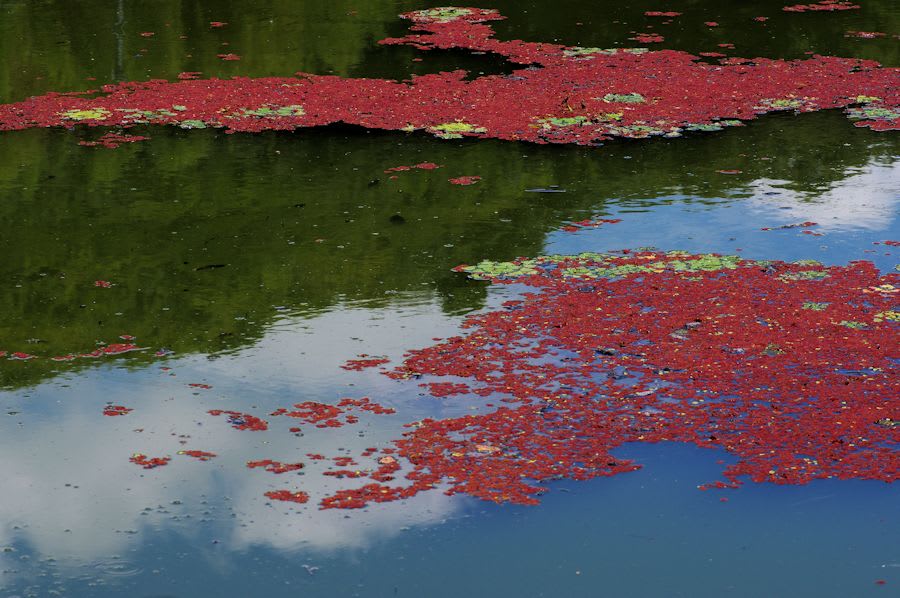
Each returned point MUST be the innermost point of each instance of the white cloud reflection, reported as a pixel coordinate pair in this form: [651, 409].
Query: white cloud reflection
[867, 199]
[70, 493]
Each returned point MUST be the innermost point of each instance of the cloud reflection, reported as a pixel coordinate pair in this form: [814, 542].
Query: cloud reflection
[866, 199]
[70, 492]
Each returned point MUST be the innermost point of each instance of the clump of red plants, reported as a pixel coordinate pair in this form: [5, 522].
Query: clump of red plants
[562, 94]
[789, 367]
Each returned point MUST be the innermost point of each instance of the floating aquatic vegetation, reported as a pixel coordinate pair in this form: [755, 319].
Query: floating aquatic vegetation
[276, 467]
[85, 114]
[865, 34]
[794, 225]
[364, 362]
[242, 421]
[465, 180]
[815, 306]
[324, 415]
[708, 349]
[824, 5]
[116, 410]
[624, 98]
[288, 496]
[648, 38]
[456, 130]
[228, 57]
[149, 462]
[559, 86]
[198, 455]
[589, 223]
[419, 166]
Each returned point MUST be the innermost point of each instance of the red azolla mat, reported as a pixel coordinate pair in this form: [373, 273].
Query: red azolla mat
[789, 367]
[563, 94]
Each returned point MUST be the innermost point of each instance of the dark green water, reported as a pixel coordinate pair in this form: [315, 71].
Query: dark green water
[265, 261]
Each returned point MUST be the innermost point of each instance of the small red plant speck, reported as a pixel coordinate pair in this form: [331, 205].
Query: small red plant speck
[288, 496]
[116, 410]
[465, 180]
[242, 421]
[228, 57]
[361, 364]
[199, 455]
[824, 5]
[274, 466]
[149, 462]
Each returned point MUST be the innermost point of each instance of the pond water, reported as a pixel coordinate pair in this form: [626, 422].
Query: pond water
[251, 267]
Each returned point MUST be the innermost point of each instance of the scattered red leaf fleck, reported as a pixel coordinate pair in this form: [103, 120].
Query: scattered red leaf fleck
[728, 45]
[274, 466]
[242, 421]
[217, 24]
[116, 410]
[288, 496]
[189, 75]
[806, 224]
[465, 180]
[148, 34]
[880, 582]
[149, 462]
[761, 19]
[103, 284]
[730, 171]
[228, 57]
[824, 5]
[648, 38]
[659, 13]
[361, 364]
[712, 54]
[19, 356]
[420, 166]
[865, 34]
[199, 455]
[199, 385]
[711, 24]
[891, 243]
[589, 223]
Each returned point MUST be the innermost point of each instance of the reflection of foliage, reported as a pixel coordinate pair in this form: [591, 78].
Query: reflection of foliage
[291, 218]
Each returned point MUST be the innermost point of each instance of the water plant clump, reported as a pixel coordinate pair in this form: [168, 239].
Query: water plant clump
[719, 353]
[562, 94]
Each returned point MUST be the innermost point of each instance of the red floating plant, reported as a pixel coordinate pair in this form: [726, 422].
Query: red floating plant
[275, 466]
[465, 180]
[824, 5]
[242, 421]
[199, 455]
[561, 94]
[149, 462]
[288, 496]
[116, 410]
